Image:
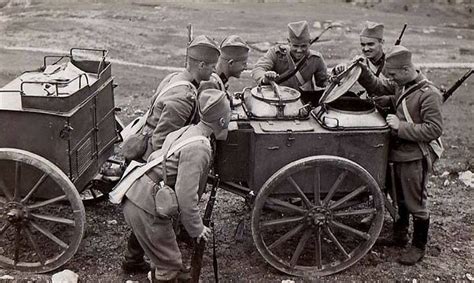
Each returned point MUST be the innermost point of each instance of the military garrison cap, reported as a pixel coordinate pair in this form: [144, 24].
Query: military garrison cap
[298, 32]
[213, 105]
[234, 47]
[372, 30]
[398, 57]
[203, 48]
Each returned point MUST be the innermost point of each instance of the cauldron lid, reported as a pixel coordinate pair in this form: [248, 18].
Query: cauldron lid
[266, 93]
[343, 83]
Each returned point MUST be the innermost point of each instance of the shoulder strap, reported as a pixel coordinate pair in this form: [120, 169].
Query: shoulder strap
[291, 72]
[147, 114]
[410, 90]
[138, 169]
[173, 85]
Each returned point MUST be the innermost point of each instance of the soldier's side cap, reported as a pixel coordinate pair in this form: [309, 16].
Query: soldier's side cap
[298, 32]
[234, 47]
[397, 57]
[203, 48]
[213, 105]
[372, 30]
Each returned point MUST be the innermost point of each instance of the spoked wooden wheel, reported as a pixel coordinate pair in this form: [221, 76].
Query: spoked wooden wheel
[307, 218]
[42, 217]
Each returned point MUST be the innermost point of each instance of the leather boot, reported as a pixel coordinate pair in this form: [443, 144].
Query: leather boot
[163, 276]
[133, 259]
[418, 246]
[399, 236]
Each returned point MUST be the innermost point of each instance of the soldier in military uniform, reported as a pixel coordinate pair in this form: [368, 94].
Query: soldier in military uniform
[416, 123]
[177, 107]
[172, 110]
[232, 62]
[371, 41]
[282, 60]
[186, 173]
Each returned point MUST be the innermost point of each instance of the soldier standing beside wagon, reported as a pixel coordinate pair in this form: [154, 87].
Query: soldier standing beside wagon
[416, 126]
[173, 108]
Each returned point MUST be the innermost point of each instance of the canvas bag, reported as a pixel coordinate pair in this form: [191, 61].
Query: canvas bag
[136, 169]
[134, 146]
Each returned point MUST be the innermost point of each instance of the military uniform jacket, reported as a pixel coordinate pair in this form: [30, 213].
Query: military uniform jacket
[424, 106]
[187, 171]
[171, 111]
[377, 67]
[278, 59]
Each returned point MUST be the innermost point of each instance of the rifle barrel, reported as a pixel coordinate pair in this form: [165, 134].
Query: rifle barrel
[399, 39]
[456, 85]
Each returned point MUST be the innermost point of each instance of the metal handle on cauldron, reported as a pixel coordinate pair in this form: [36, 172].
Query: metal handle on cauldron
[280, 105]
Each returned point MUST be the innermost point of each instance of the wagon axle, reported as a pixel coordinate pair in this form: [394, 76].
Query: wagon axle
[318, 216]
[15, 212]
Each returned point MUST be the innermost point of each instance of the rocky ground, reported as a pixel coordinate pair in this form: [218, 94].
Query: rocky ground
[146, 39]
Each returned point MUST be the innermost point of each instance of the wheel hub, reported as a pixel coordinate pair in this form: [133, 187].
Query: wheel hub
[318, 216]
[15, 212]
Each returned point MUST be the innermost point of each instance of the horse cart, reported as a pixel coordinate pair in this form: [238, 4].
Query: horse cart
[313, 176]
[57, 128]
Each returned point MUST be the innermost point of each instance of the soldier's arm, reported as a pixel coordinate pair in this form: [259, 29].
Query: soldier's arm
[431, 126]
[193, 164]
[265, 63]
[321, 74]
[374, 85]
[174, 115]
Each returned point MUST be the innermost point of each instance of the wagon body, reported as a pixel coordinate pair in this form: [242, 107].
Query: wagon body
[254, 152]
[312, 177]
[57, 128]
[76, 132]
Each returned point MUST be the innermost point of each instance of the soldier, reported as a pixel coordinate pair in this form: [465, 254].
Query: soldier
[282, 60]
[174, 109]
[232, 62]
[371, 41]
[416, 123]
[186, 173]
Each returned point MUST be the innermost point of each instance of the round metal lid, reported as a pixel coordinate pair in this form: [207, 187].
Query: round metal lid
[341, 84]
[267, 94]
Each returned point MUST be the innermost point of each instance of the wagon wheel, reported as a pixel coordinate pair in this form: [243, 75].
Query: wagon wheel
[42, 217]
[306, 219]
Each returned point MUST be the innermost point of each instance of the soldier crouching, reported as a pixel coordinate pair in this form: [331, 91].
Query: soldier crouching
[150, 216]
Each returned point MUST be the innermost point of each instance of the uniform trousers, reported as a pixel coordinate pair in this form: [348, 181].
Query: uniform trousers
[410, 181]
[156, 236]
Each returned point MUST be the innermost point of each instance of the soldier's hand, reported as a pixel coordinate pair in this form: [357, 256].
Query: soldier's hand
[205, 234]
[362, 63]
[393, 121]
[382, 101]
[270, 76]
[339, 69]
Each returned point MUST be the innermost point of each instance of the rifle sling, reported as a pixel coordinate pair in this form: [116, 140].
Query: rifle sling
[290, 73]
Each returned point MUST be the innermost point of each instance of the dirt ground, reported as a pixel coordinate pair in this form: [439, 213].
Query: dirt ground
[141, 35]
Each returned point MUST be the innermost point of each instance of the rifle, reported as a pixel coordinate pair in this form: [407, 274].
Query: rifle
[198, 252]
[189, 27]
[322, 32]
[454, 87]
[399, 40]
